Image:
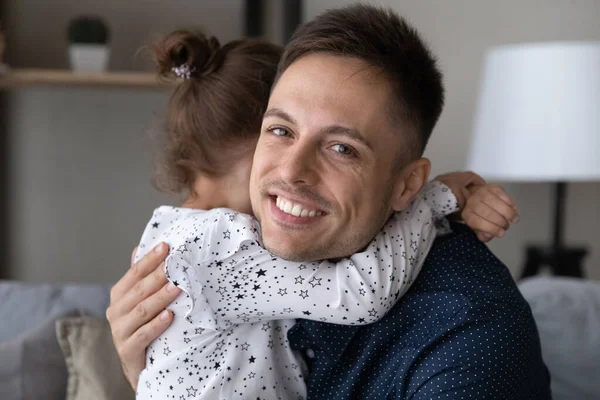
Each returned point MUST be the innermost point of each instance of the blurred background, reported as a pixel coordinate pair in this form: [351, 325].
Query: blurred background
[76, 171]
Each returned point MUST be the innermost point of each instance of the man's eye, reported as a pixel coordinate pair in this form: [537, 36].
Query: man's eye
[342, 149]
[279, 132]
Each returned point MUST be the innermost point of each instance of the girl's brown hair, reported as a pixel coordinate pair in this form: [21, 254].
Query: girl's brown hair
[212, 114]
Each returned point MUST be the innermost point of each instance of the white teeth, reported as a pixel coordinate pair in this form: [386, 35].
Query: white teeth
[295, 209]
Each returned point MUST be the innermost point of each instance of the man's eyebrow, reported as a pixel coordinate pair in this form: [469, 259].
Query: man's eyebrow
[348, 132]
[278, 112]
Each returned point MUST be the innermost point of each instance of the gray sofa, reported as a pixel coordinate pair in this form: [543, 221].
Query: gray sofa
[32, 361]
[25, 306]
[567, 312]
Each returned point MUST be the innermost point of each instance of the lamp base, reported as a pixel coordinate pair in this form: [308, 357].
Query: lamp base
[562, 261]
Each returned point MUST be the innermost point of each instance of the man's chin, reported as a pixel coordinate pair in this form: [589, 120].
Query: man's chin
[281, 251]
[290, 252]
[298, 245]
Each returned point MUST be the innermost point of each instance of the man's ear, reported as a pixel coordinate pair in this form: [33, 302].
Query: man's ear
[409, 183]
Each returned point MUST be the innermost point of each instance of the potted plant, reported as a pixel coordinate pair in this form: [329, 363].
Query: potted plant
[88, 44]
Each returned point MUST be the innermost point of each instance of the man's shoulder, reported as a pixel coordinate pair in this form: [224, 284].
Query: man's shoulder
[462, 281]
[465, 298]
[462, 266]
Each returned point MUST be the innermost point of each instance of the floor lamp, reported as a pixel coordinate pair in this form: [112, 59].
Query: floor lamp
[538, 120]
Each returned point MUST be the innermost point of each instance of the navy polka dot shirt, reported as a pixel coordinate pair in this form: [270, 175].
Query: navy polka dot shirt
[463, 331]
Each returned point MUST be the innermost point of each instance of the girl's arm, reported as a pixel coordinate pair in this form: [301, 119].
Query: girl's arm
[242, 282]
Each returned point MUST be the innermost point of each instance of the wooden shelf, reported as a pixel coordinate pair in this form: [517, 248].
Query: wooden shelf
[47, 77]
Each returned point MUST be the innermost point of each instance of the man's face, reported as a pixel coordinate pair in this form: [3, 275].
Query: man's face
[322, 176]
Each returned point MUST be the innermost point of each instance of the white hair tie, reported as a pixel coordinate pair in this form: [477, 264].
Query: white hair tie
[183, 71]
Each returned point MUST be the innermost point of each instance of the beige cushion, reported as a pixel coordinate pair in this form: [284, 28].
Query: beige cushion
[95, 372]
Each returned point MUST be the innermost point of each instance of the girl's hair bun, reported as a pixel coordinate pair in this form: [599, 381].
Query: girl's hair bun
[196, 53]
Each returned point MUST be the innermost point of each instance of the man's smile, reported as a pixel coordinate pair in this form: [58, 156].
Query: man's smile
[289, 206]
[291, 212]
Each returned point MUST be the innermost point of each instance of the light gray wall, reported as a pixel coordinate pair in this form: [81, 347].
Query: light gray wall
[459, 31]
[81, 176]
[81, 188]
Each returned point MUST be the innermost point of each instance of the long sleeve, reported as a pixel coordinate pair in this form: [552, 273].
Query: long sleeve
[439, 198]
[240, 281]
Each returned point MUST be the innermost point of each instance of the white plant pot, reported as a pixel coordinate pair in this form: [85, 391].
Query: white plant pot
[89, 57]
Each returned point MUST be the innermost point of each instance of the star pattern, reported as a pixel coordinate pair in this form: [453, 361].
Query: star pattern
[192, 391]
[315, 281]
[237, 297]
[413, 245]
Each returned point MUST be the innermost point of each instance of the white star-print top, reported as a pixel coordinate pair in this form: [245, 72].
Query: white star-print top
[228, 339]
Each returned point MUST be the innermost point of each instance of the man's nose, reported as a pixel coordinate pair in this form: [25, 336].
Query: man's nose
[298, 166]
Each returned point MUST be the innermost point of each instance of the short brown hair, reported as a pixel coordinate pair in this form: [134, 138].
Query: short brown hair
[385, 41]
[212, 113]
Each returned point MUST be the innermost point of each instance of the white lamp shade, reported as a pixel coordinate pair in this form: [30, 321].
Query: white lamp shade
[538, 115]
